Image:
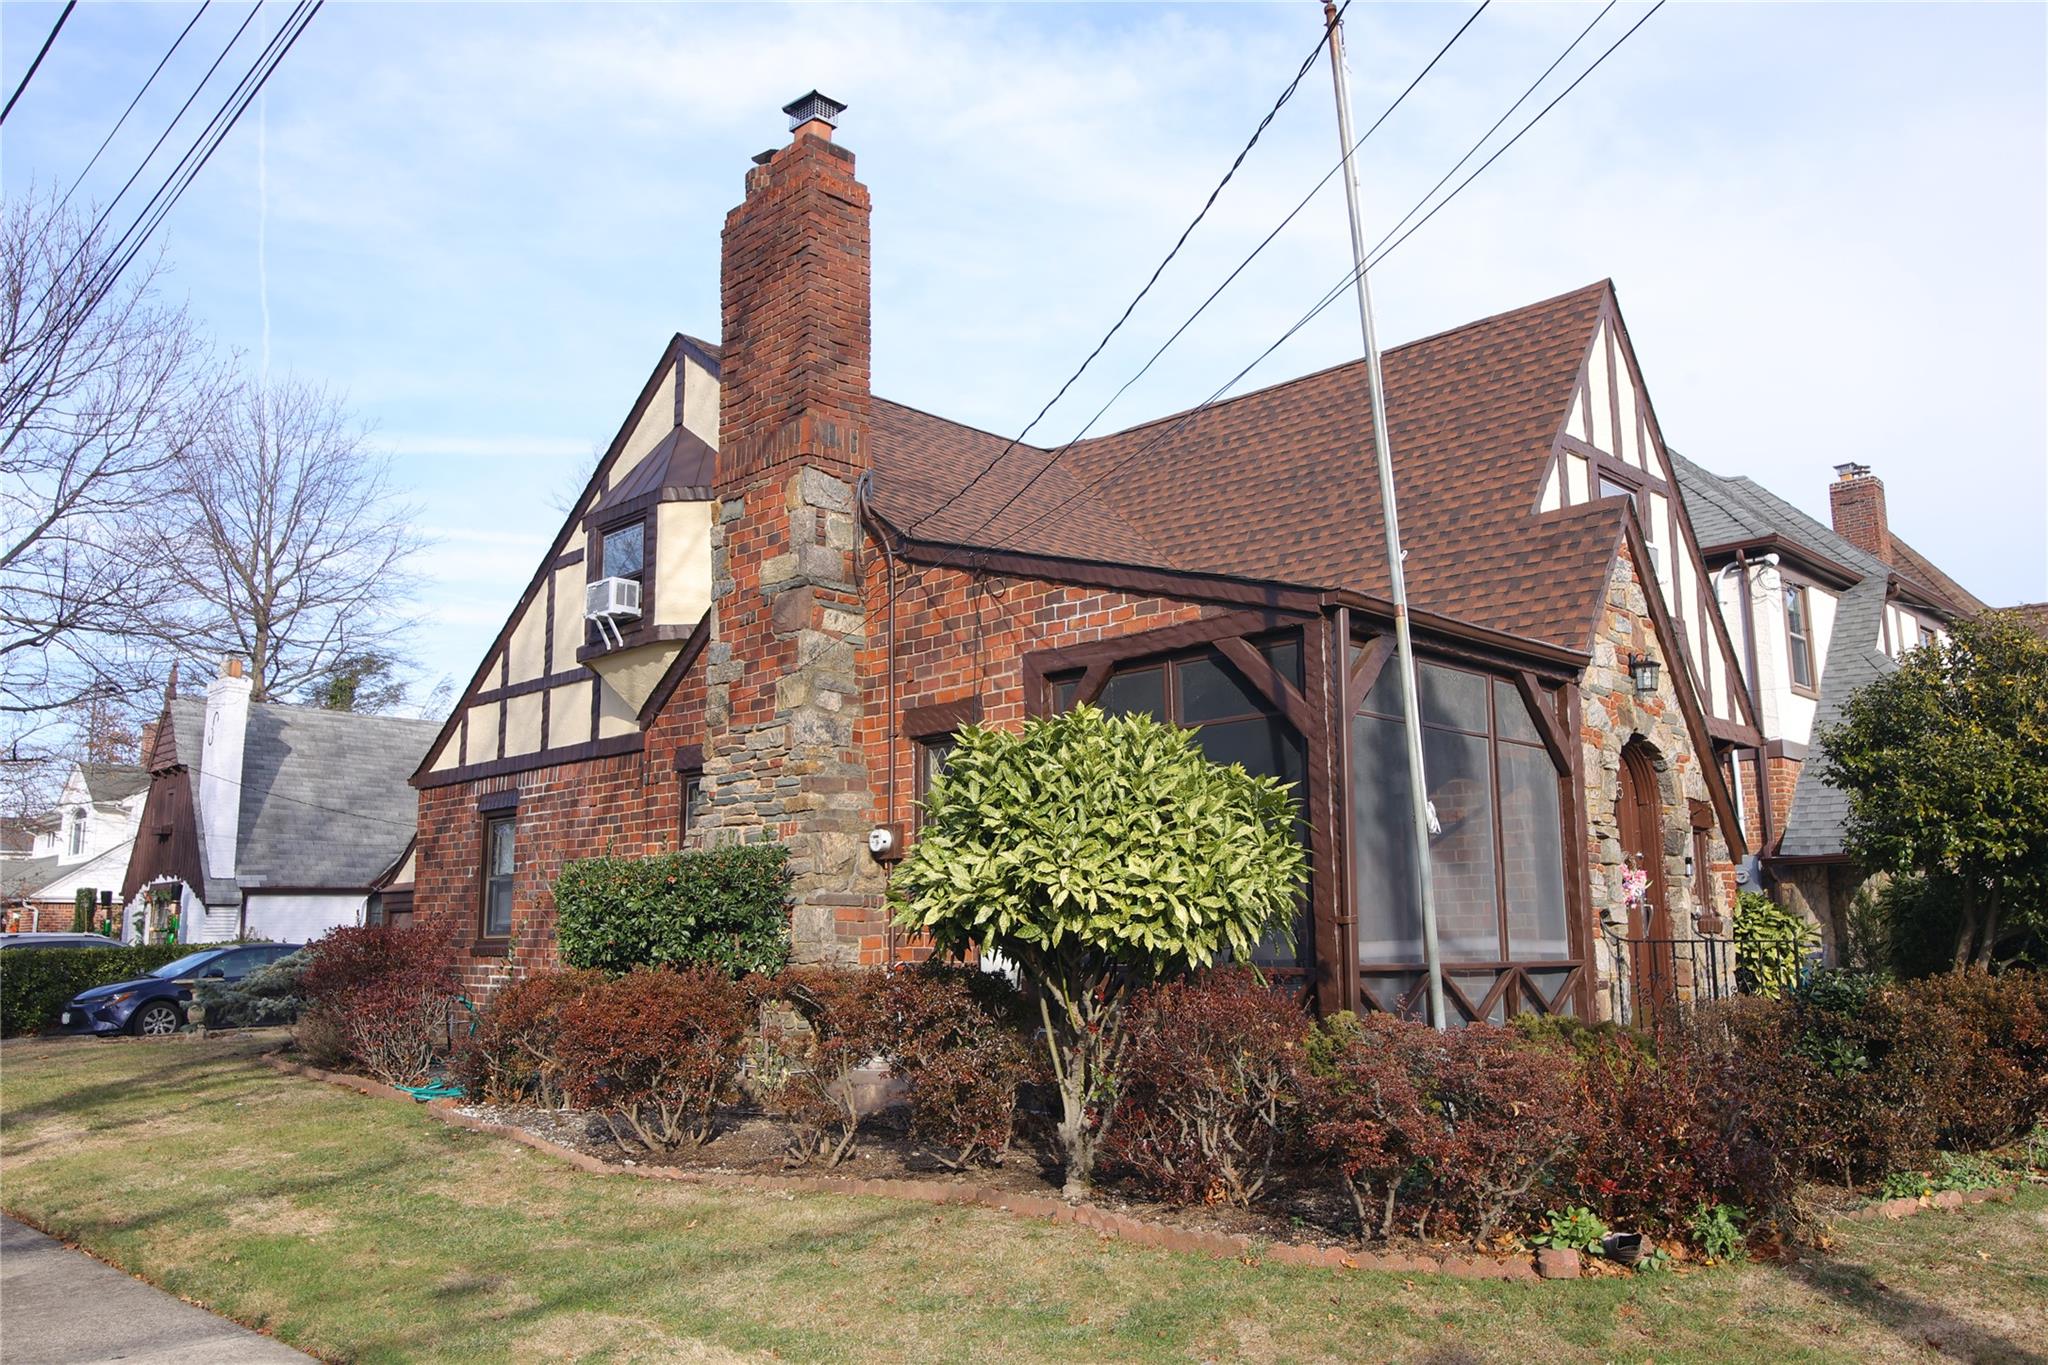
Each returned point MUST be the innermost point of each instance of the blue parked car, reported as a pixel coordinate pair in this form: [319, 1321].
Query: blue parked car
[153, 1006]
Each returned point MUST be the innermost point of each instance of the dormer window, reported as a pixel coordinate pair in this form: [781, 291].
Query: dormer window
[625, 551]
[77, 845]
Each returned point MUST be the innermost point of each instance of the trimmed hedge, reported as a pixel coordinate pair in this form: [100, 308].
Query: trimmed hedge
[35, 983]
[726, 908]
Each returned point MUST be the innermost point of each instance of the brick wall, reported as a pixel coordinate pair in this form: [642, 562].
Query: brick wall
[626, 804]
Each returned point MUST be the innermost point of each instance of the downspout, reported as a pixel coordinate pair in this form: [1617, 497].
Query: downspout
[890, 725]
[1347, 888]
[1756, 703]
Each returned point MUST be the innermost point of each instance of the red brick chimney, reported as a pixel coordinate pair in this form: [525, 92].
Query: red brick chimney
[783, 690]
[1856, 506]
[793, 377]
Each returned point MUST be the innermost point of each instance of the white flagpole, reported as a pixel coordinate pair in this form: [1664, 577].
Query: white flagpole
[1384, 456]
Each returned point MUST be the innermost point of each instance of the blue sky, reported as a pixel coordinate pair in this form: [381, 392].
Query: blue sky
[1828, 224]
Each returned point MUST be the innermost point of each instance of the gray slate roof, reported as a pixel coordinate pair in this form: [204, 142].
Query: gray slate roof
[1724, 510]
[20, 876]
[325, 796]
[109, 783]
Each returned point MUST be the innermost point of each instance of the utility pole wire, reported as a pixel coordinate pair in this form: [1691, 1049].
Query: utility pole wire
[1285, 95]
[1386, 247]
[1228, 280]
[104, 142]
[1420, 815]
[35, 65]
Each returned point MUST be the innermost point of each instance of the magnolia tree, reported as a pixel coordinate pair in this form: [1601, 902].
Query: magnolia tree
[1097, 854]
[1945, 763]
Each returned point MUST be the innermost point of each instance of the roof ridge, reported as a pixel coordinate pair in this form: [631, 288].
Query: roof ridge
[1491, 319]
[956, 422]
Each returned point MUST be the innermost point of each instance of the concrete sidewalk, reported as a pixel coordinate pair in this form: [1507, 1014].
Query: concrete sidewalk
[61, 1307]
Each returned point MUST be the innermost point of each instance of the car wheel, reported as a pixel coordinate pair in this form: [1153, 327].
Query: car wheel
[156, 1020]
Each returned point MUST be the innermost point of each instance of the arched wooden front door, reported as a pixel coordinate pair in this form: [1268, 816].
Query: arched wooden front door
[1639, 815]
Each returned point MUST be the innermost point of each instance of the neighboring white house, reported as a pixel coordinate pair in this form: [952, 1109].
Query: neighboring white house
[266, 820]
[83, 844]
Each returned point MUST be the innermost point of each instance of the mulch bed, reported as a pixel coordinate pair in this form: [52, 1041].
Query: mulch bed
[1301, 1225]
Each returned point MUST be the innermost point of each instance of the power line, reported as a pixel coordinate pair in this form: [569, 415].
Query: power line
[1380, 252]
[178, 42]
[1229, 279]
[1285, 95]
[91, 234]
[216, 131]
[37, 63]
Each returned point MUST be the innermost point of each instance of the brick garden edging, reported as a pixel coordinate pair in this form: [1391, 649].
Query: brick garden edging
[1104, 1222]
[1895, 1209]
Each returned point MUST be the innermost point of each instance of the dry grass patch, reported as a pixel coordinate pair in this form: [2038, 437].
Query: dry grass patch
[367, 1230]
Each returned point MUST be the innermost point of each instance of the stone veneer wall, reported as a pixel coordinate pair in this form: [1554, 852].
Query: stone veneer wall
[1611, 714]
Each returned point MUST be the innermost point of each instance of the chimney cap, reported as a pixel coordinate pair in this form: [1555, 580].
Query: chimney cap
[805, 108]
[1852, 470]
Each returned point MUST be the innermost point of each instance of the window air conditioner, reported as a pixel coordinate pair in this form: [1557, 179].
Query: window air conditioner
[607, 602]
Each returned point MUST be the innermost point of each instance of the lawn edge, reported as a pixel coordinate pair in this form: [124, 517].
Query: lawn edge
[1104, 1222]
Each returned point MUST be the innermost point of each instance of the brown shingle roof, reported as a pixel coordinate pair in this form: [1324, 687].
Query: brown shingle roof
[1919, 570]
[1279, 485]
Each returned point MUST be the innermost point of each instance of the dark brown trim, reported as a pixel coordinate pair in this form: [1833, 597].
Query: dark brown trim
[1372, 661]
[1534, 697]
[1097, 656]
[672, 678]
[508, 799]
[526, 763]
[689, 758]
[1786, 748]
[1700, 812]
[638, 638]
[486, 817]
[1578, 885]
[1733, 732]
[938, 718]
[568, 560]
[1817, 567]
[491, 947]
[1684, 688]
[388, 877]
[1286, 698]
[530, 685]
[1120, 577]
[1447, 634]
[556, 552]
[1337, 981]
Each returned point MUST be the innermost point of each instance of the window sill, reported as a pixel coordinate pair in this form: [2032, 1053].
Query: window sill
[635, 638]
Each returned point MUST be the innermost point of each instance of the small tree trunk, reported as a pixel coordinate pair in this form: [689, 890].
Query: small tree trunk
[1987, 936]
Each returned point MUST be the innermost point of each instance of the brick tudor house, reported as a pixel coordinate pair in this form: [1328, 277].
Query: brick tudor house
[832, 583]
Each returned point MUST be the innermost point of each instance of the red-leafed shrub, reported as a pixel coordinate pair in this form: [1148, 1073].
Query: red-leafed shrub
[810, 1081]
[1509, 1123]
[1205, 1088]
[655, 1052]
[1364, 1113]
[1651, 1149]
[379, 997]
[513, 1055]
[1991, 1082]
[952, 1035]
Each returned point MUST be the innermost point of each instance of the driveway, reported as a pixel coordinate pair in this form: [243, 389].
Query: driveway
[61, 1307]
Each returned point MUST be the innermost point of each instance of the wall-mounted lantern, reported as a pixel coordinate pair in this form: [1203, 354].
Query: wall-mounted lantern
[1643, 669]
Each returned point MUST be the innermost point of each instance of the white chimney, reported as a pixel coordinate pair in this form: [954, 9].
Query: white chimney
[220, 768]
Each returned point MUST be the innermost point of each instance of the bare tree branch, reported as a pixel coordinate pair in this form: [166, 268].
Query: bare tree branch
[287, 542]
[98, 398]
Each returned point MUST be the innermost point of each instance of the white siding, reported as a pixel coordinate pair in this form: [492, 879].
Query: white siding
[285, 918]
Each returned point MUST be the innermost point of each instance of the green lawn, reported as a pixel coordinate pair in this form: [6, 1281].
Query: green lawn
[360, 1229]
